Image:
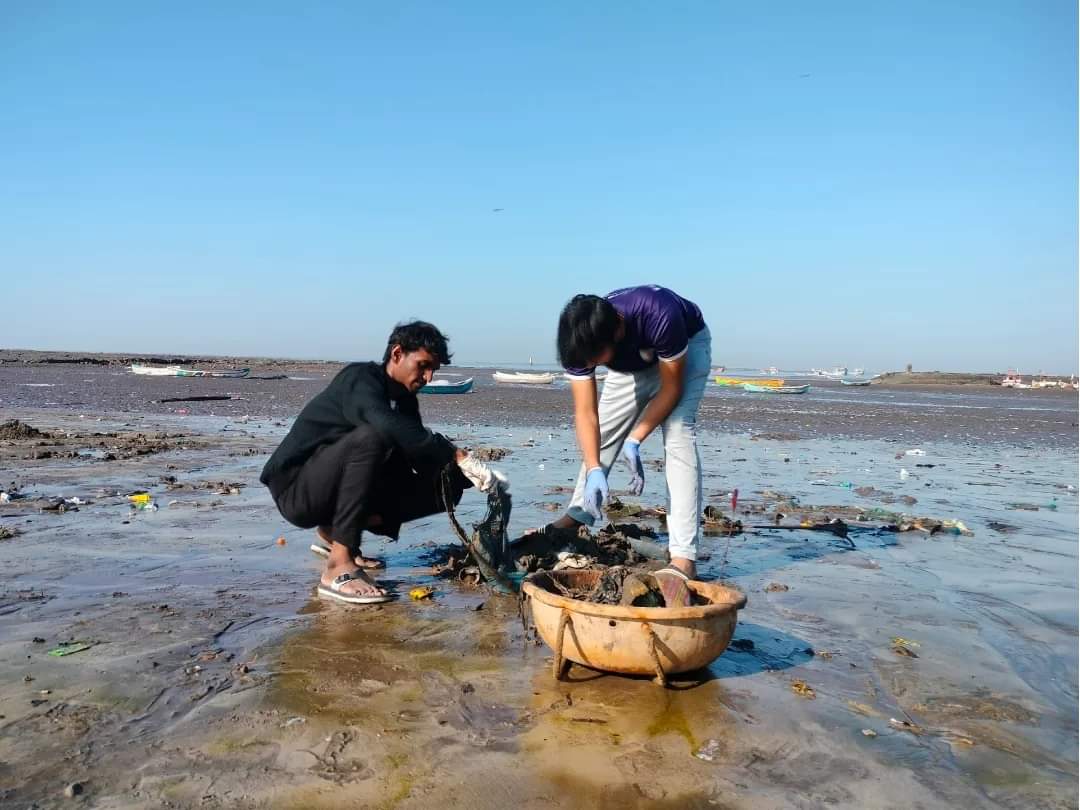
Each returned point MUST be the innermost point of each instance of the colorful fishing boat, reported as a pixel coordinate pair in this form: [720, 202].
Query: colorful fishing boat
[776, 389]
[448, 387]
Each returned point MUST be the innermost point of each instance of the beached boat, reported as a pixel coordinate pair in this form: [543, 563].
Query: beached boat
[1014, 380]
[837, 373]
[854, 382]
[155, 371]
[448, 387]
[776, 389]
[178, 371]
[740, 381]
[523, 377]
[229, 372]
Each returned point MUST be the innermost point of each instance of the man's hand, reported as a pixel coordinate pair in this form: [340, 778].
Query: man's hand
[596, 492]
[482, 476]
[631, 451]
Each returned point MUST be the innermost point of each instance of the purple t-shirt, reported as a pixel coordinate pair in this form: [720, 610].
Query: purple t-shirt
[659, 325]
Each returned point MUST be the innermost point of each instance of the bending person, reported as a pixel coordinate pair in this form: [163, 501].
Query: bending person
[658, 351]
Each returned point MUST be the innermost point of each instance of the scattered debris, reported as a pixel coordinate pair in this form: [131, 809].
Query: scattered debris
[863, 709]
[490, 453]
[70, 648]
[569, 560]
[14, 430]
[715, 519]
[903, 642]
[74, 789]
[869, 732]
[776, 587]
[422, 592]
[905, 725]
[1002, 528]
[6, 532]
[709, 751]
[616, 509]
[204, 398]
[801, 689]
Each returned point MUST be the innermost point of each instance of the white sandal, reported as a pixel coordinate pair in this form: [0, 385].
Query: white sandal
[333, 591]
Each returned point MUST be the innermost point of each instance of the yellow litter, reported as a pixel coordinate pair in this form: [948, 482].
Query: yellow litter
[422, 592]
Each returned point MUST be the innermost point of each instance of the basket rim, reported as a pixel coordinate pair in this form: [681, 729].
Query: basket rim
[735, 601]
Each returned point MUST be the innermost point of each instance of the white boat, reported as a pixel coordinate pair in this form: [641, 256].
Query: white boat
[523, 377]
[179, 371]
[155, 371]
[1014, 380]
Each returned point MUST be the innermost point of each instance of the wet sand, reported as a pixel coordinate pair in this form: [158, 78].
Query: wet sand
[217, 679]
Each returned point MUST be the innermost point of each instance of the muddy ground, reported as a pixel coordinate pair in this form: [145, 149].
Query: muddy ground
[215, 678]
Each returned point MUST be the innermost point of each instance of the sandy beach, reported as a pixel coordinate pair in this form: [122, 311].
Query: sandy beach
[213, 676]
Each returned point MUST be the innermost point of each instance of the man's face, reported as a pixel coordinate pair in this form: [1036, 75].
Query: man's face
[414, 370]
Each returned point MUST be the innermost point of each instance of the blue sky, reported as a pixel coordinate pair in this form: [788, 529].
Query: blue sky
[861, 183]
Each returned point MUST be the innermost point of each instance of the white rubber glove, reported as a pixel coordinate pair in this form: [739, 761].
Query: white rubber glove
[482, 476]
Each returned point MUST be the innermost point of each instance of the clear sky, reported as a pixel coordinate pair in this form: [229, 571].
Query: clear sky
[857, 183]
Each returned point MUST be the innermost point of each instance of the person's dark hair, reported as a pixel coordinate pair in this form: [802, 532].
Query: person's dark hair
[417, 335]
[588, 325]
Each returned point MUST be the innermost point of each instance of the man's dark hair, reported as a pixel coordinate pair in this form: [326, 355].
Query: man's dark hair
[587, 326]
[417, 335]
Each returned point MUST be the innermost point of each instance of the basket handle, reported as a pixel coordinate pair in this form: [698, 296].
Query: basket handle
[559, 665]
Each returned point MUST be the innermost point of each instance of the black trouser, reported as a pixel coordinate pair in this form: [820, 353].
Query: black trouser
[357, 477]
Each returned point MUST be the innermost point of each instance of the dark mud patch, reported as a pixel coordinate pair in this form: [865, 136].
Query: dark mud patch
[16, 431]
[540, 551]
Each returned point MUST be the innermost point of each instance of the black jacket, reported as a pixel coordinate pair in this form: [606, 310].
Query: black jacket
[360, 394]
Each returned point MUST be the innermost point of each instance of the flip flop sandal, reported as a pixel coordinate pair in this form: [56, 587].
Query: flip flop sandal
[673, 585]
[374, 563]
[333, 591]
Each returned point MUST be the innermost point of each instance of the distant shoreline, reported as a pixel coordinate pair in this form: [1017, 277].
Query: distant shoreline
[929, 379]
